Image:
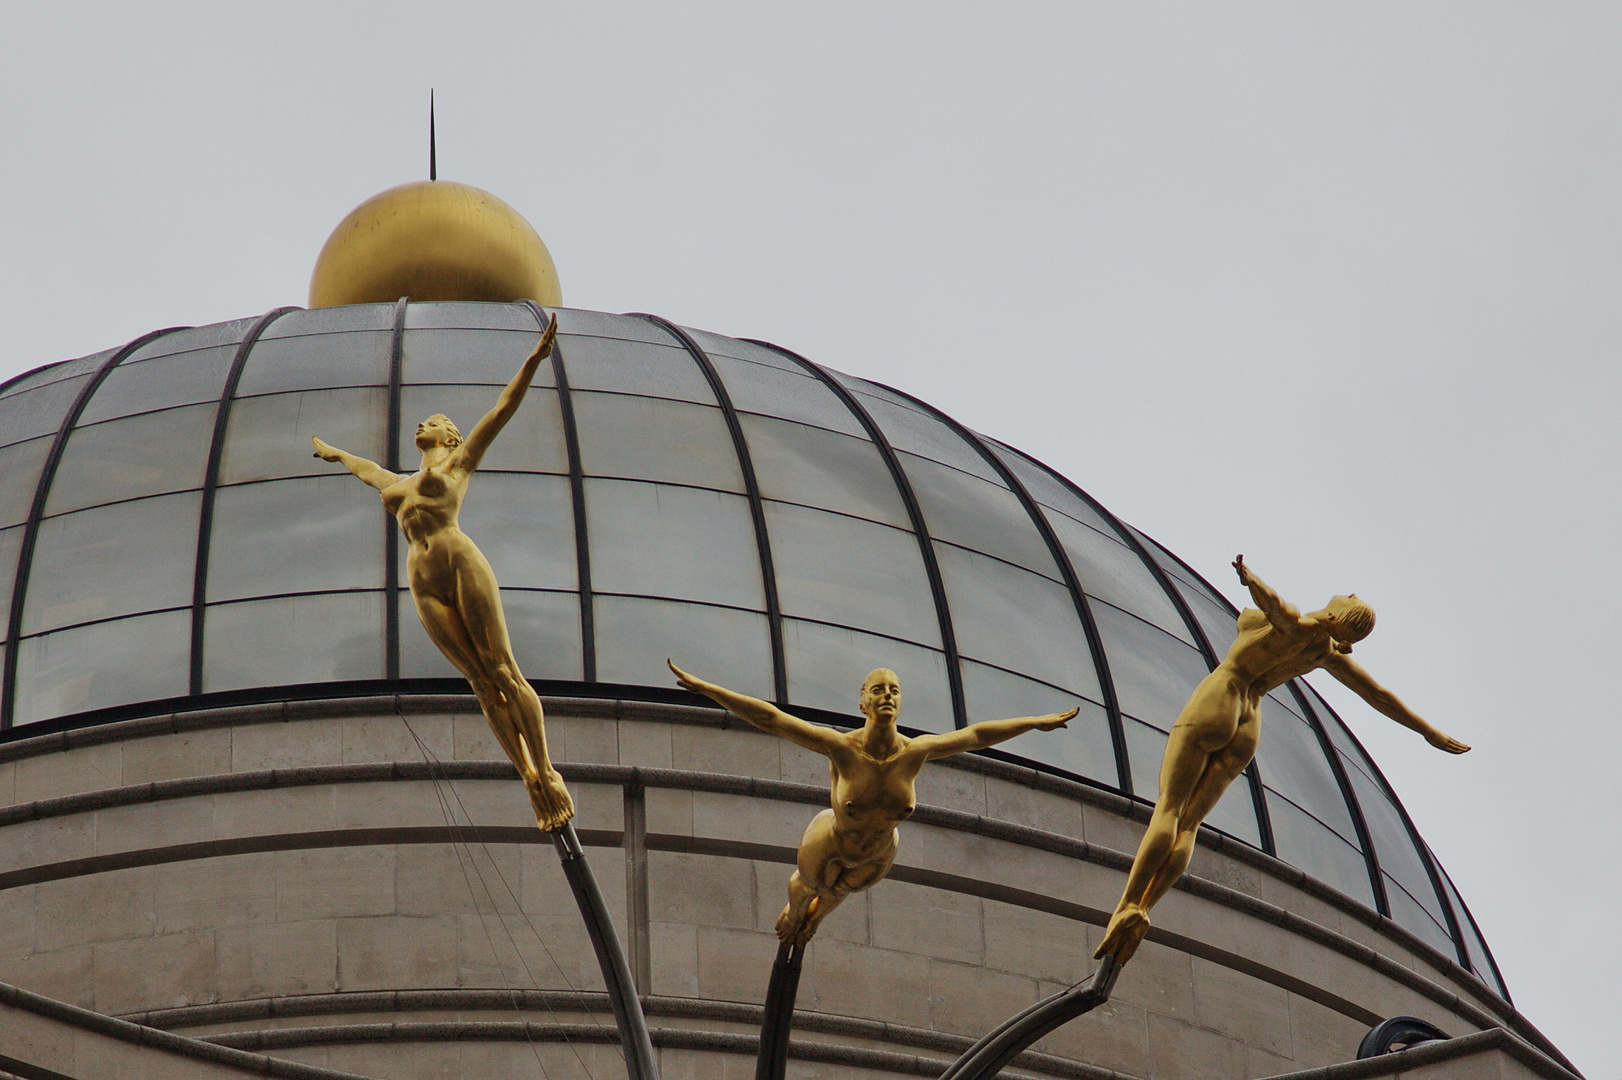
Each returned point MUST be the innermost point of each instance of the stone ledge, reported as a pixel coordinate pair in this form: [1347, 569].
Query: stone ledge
[1494, 1041]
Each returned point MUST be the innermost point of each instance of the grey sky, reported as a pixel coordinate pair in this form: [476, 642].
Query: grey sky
[1333, 285]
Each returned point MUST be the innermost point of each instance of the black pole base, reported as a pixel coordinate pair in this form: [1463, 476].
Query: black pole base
[986, 1058]
[779, 1019]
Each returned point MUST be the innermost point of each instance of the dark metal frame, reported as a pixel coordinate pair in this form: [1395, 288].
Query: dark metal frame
[36, 513]
[391, 528]
[915, 515]
[757, 510]
[211, 478]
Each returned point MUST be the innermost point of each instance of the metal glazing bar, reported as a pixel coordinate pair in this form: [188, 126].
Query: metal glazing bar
[757, 511]
[391, 529]
[211, 479]
[617, 980]
[915, 514]
[1067, 570]
[36, 512]
[577, 491]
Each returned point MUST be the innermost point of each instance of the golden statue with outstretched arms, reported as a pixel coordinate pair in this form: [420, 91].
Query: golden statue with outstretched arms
[850, 846]
[455, 590]
[1215, 735]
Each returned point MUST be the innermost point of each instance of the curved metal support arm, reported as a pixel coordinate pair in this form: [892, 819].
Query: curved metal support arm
[986, 1058]
[633, 1026]
[779, 1019]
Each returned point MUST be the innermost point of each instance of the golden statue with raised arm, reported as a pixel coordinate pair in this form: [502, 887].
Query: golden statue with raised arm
[1215, 735]
[850, 846]
[454, 588]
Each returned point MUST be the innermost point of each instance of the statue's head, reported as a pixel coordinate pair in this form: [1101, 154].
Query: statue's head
[438, 430]
[1350, 619]
[881, 695]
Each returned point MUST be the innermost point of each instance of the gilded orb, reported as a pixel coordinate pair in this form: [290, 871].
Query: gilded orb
[434, 240]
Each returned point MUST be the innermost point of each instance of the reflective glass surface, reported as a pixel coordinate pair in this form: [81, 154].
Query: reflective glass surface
[979, 514]
[33, 413]
[11, 542]
[141, 455]
[471, 315]
[490, 357]
[289, 536]
[1292, 762]
[827, 666]
[642, 438]
[102, 665]
[279, 364]
[738, 349]
[601, 324]
[113, 560]
[50, 373]
[1153, 672]
[524, 525]
[1082, 747]
[1115, 573]
[193, 338]
[269, 437]
[1392, 844]
[1301, 840]
[723, 645]
[658, 540]
[1017, 620]
[634, 367]
[1049, 490]
[800, 464]
[293, 639]
[1475, 947]
[543, 627]
[771, 391]
[840, 569]
[332, 320]
[161, 383]
[1219, 624]
[20, 464]
[909, 428]
[532, 441]
[1413, 916]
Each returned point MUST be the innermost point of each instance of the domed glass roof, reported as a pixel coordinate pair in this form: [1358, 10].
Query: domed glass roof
[166, 533]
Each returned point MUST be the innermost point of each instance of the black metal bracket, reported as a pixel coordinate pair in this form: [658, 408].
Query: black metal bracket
[986, 1058]
[779, 1019]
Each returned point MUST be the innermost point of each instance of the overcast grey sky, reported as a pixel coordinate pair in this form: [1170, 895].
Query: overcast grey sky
[1333, 285]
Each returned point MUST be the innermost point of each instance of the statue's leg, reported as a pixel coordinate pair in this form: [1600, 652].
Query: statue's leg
[447, 631]
[850, 879]
[815, 871]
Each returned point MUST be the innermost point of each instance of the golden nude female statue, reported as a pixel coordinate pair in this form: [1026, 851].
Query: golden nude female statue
[850, 846]
[455, 590]
[1215, 735]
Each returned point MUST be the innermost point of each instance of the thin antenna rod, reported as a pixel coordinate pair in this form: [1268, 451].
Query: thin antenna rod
[433, 149]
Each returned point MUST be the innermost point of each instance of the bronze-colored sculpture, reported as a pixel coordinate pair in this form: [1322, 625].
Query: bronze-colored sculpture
[1215, 735]
[455, 590]
[850, 846]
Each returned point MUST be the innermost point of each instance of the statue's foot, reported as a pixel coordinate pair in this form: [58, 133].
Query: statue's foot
[550, 800]
[1125, 933]
[796, 929]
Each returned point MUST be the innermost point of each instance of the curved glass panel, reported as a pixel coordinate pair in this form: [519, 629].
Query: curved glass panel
[20, 465]
[579, 322]
[332, 320]
[489, 357]
[634, 367]
[189, 339]
[827, 666]
[844, 570]
[1084, 747]
[1393, 846]
[1303, 841]
[11, 542]
[186, 378]
[659, 540]
[33, 413]
[1414, 916]
[523, 523]
[293, 639]
[978, 514]
[279, 364]
[1211, 611]
[716, 345]
[1113, 572]
[150, 454]
[102, 665]
[906, 427]
[1153, 672]
[1048, 490]
[1017, 620]
[62, 369]
[268, 437]
[543, 628]
[113, 560]
[532, 441]
[1292, 762]
[815, 467]
[293, 536]
[724, 645]
[470, 315]
[1475, 946]
[642, 438]
[771, 391]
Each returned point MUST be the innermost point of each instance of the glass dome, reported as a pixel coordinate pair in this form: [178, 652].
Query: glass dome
[167, 537]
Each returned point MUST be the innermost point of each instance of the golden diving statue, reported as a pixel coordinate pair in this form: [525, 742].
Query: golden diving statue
[1215, 735]
[850, 846]
[454, 588]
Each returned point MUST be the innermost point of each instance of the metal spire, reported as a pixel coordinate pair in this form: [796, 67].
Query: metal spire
[433, 150]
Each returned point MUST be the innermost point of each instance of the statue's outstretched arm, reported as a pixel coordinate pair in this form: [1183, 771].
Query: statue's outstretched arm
[987, 733]
[471, 452]
[1351, 673]
[763, 714]
[369, 471]
[1281, 613]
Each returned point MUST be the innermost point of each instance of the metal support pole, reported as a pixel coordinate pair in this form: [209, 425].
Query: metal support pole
[779, 1018]
[633, 1026]
[986, 1058]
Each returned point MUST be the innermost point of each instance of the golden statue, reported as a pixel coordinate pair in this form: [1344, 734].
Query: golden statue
[454, 588]
[1215, 735]
[850, 846]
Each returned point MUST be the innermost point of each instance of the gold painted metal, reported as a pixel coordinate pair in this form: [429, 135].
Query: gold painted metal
[434, 240]
[455, 590]
[1215, 735]
[850, 846]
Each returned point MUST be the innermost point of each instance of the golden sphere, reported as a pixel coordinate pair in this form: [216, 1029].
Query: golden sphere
[434, 240]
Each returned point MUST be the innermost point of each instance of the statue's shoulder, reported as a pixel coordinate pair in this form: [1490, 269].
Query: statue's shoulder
[1251, 618]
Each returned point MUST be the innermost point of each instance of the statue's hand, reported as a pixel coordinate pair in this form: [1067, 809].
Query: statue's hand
[548, 337]
[1444, 741]
[687, 682]
[1245, 576]
[1057, 720]
[323, 451]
